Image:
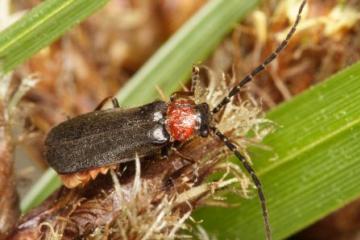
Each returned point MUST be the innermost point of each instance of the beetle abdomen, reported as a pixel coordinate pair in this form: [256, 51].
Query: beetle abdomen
[106, 137]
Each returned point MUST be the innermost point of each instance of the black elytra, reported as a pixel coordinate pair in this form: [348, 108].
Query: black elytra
[112, 136]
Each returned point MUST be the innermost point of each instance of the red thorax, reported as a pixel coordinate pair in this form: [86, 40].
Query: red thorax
[182, 119]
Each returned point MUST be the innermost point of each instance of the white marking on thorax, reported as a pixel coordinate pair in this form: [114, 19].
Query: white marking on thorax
[158, 116]
[159, 135]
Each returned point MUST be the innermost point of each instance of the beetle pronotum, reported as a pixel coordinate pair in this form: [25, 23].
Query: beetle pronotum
[107, 137]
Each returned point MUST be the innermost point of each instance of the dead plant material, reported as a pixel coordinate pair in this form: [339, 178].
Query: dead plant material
[154, 206]
[9, 208]
[10, 94]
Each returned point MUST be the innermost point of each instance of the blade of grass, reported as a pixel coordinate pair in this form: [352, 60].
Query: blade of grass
[317, 166]
[46, 185]
[41, 26]
[172, 63]
[170, 66]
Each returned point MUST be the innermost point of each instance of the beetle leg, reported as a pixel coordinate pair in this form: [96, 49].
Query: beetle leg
[102, 103]
[195, 79]
[169, 180]
[114, 102]
[187, 158]
[164, 153]
[173, 147]
[180, 94]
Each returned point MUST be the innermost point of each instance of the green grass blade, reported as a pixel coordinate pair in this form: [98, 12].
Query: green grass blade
[46, 185]
[317, 167]
[170, 66]
[41, 26]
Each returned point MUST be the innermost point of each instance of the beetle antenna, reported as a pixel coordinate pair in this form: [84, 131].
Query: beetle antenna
[262, 66]
[254, 178]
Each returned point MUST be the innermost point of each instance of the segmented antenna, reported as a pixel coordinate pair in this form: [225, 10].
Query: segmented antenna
[254, 178]
[262, 66]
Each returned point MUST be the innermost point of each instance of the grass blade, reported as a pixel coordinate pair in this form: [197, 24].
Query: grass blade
[317, 167]
[46, 185]
[170, 66]
[41, 26]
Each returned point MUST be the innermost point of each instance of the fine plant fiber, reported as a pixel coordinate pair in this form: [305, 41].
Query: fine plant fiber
[40, 27]
[312, 169]
[168, 68]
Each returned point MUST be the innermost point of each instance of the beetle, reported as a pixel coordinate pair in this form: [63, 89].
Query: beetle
[107, 137]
